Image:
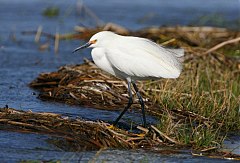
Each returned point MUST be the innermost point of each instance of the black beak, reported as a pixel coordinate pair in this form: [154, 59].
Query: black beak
[82, 47]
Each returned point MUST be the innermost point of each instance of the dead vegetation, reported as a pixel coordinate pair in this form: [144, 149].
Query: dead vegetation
[80, 134]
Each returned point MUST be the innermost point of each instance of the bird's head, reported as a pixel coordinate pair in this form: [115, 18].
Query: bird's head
[100, 39]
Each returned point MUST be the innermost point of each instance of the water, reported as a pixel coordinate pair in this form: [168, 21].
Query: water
[21, 62]
[16, 149]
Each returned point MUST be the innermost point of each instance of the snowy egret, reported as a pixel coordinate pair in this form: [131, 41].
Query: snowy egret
[133, 58]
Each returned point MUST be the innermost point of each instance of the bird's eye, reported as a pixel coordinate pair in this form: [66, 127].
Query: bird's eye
[93, 41]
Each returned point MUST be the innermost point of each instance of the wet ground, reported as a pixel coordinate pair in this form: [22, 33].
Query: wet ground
[21, 62]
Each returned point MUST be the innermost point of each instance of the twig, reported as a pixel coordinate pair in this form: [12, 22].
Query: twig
[38, 34]
[222, 44]
[168, 42]
[134, 138]
[42, 33]
[143, 129]
[52, 36]
[73, 96]
[56, 43]
[101, 81]
[209, 149]
[19, 123]
[164, 135]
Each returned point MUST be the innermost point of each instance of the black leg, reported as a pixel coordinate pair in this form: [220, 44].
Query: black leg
[141, 102]
[130, 101]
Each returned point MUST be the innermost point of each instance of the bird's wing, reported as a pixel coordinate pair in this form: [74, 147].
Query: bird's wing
[177, 52]
[169, 56]
[141, 62]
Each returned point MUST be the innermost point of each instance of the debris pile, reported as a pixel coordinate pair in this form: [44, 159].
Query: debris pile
[79, 134]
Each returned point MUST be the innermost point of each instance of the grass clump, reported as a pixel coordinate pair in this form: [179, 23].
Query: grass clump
[209, 91]
[51, 12]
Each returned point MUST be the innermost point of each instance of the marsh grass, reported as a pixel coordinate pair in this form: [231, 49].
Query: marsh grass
[208, 89]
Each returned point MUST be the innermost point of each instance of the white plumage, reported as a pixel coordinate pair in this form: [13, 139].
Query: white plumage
[133, 58]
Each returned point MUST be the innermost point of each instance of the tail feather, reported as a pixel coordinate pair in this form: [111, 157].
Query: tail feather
[178, 52]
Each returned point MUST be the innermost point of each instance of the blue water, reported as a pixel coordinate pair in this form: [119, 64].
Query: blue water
[21, 61]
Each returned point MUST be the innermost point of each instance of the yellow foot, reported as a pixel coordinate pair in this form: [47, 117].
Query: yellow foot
[141, 135]
[112, 127]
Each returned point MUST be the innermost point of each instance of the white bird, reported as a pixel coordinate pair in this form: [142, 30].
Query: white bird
[133, 58]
